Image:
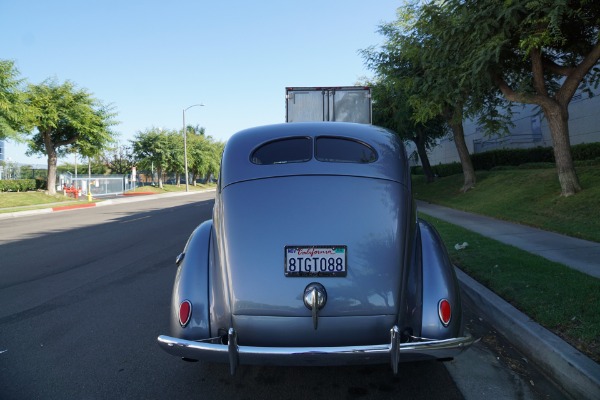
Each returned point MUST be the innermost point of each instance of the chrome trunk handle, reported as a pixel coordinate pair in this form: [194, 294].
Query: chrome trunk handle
[315, 298]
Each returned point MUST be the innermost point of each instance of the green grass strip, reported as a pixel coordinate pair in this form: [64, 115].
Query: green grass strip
[527, 196]
[172, 188]
[563, 300]
[25, 201]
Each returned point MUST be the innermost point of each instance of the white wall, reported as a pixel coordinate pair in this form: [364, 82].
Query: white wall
[584, 127]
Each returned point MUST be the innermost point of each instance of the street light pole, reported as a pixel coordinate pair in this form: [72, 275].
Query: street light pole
[89, 183]
[185, 157]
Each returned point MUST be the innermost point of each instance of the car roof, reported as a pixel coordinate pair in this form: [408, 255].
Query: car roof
[391, 162]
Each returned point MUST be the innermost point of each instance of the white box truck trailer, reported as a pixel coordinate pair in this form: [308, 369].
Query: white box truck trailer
[343, 103]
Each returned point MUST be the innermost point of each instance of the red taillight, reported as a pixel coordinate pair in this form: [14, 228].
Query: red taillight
[185, 313]
[445, 311]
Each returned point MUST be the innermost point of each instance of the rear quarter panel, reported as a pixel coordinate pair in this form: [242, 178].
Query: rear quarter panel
[439, 282]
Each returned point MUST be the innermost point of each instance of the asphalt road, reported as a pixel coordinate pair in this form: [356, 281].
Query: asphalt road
[85, 293]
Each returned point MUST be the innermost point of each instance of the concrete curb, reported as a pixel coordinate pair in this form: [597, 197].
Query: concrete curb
[575, 373]
[25, 213]
[73, 207]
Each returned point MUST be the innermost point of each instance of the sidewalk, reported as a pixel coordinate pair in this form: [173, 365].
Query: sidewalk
[573, 371]
[578, 254]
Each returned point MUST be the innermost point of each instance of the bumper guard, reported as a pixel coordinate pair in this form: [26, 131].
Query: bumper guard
[214, 350]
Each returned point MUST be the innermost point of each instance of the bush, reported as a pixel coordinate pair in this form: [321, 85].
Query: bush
[447, 169]
[416, 170]
[513, 157]
[585, 154]
[41, 183]
[17, 185]
[439, 170]
[586, 151]
[587, 163]
[537, 165]
[502, 168]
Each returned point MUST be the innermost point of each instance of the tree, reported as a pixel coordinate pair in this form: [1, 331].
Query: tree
[119, 159]
[66, 119]
[163, 150]
[204, 156]
[392, 110]
[407, 57]
[151, 147]
[536, 52]
[417, 55]
[196, 129]
[94, 165]
[13, 111]
[175, 158]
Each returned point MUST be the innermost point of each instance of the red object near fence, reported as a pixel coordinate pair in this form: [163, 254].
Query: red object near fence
[71, 190]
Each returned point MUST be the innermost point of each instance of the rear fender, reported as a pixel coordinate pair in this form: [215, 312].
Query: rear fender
[191, 283]
[439, 282]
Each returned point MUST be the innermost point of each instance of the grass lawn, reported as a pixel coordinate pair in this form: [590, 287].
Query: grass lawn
[12, 202]
[565, 301]
[22, 201]
[527, 196]
[170, 188]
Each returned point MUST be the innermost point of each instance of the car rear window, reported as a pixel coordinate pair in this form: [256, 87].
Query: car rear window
[283, 151]
[333, 149]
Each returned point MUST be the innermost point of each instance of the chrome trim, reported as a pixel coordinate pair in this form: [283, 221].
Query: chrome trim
[232, 350]
[393, 352]
[395, 348]
[315, 298]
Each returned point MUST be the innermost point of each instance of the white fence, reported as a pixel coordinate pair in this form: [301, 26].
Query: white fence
[99, 185]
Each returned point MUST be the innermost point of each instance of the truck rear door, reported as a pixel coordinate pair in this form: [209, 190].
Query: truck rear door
[343, 104]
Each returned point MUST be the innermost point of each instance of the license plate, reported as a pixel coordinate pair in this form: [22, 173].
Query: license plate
[315, 261]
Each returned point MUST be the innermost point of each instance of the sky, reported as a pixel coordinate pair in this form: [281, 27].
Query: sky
[152, 59]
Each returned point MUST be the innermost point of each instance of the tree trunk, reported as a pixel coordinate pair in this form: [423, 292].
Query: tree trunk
[160, 177]
[463, 153]
[422, 151]
[558, 121]
[52, 163]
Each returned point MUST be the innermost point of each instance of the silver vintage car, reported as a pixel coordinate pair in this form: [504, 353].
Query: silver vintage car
[315, 256]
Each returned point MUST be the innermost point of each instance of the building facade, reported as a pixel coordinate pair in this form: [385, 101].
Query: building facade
[530, 130]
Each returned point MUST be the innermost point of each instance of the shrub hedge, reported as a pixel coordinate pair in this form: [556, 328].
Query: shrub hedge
[41, 183]
[513, 157]
[535, 157]
[17, 185]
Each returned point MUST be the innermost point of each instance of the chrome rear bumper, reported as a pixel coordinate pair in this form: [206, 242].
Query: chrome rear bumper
[393, 352]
